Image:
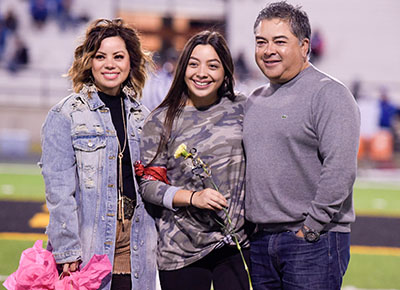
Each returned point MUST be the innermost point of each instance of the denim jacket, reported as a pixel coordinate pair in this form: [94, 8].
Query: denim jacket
[79, 166]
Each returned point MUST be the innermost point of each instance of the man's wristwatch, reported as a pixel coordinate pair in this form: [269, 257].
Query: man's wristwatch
[310, 235]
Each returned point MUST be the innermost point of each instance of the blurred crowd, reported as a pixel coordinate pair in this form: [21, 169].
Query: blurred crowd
[14, 50]
[14, 54]
[380, 128]
[60, 10]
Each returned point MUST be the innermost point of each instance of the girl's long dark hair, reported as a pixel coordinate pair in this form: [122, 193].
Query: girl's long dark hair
[177, 95]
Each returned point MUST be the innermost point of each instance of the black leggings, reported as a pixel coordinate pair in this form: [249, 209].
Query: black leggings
[121, 282]
[224, 267]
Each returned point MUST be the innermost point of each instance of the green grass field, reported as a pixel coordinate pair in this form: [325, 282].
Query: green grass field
[366, 270]
[373, 272]
[21, 182]
[377, 199]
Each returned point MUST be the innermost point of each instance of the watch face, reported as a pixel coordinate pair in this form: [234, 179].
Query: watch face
[311, 236]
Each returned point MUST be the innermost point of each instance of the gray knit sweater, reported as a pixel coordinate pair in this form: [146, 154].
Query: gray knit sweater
[301, 142]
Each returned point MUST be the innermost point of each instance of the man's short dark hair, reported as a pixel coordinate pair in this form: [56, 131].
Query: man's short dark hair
[297, 18]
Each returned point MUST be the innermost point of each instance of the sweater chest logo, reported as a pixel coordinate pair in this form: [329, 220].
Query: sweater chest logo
[284, 116]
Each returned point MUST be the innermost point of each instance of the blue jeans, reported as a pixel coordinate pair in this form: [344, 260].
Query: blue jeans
[285, 261]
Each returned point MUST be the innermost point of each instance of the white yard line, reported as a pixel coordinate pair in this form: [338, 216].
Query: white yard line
[11, 168]
[388, 176]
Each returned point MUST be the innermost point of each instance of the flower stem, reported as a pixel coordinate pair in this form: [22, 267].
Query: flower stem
[234, 235]
[240, 250]
[182, 151]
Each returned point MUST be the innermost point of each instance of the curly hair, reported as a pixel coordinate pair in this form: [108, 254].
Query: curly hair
[80, 71]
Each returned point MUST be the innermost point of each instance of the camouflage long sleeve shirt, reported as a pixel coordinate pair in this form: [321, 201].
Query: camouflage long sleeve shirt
[186, 234]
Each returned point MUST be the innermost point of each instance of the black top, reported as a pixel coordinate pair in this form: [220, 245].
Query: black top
[114, 104]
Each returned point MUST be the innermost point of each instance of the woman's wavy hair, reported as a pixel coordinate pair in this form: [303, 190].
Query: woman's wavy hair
[80, 71]
[177, 95]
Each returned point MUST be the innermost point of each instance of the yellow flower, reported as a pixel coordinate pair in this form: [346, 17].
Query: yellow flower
[182, 151]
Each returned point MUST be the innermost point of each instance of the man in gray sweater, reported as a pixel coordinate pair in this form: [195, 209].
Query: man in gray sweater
[301, 134]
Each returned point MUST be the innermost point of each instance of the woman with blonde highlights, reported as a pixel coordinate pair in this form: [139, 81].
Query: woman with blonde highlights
[90, 140]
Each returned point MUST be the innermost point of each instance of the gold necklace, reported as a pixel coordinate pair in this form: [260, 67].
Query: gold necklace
[121, 212]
